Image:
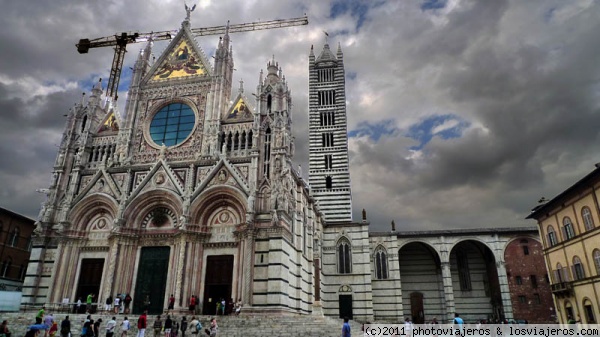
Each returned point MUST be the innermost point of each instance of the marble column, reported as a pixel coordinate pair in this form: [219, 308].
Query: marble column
[448, 291]
[504, 290]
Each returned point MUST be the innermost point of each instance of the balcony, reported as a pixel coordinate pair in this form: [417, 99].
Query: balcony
[562, 289]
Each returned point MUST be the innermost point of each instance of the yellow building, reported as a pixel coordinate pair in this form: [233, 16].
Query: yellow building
[569, 225]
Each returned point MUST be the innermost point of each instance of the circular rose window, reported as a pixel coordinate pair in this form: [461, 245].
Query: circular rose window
[172, 124]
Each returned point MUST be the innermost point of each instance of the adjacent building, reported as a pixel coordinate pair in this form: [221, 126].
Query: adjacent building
[15, 247]
[570, 232]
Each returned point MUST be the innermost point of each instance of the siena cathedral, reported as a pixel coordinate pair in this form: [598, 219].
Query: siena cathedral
[192, 190]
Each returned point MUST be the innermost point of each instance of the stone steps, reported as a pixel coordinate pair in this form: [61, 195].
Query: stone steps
[229, 326]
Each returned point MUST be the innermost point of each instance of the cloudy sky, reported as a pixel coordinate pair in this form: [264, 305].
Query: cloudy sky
[461, 113]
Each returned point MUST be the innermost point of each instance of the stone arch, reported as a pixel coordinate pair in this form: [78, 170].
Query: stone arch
[209, 203]
[91, 209]
[518, 238]
[420, 272]
[136, 214]
[473, 268]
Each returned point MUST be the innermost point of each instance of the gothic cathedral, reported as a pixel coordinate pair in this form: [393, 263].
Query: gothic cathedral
[193, 192]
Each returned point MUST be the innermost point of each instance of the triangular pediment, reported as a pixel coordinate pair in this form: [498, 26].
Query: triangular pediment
[223, 173]
[240, 111]
[182, 59]
[110, 124]
[101, 182]
[161, 176]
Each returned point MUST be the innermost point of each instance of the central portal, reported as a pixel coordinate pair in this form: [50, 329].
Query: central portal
[217, 283]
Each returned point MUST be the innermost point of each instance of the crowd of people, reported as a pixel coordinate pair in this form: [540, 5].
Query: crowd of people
[47, 326]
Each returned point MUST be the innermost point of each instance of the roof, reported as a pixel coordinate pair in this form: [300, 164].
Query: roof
[454, 232]
[588, 180]
[15, 214]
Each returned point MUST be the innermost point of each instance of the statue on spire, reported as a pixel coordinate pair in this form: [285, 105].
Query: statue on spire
[188, 11]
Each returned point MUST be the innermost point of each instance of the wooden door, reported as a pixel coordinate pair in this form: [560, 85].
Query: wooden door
[151, 280]
[345, 302]
[416, 308]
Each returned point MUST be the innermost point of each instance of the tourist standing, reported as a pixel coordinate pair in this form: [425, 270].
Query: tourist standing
[127, 301]
[65, 327]
[110, 327]
[346, 328]
[192, 304]
[88, 303]
[108, 303]
[40, 315]
[97, 327]
[141, 324]
[157, 326]
[171, 305]
[125, 326]
[168, 326]
[184, 326]
[117, 304]
[4, 329]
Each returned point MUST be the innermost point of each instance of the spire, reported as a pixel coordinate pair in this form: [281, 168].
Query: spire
[326, 54]
[312, 51]
[241, 89]
[339, 51]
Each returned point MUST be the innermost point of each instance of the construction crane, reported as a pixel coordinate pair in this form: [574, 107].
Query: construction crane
[120, 42]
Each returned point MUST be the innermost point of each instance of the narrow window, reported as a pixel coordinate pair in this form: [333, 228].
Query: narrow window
[589, 312]
[328, 183]
[519, 280]
[568, 231]
[551, 236]
[578, 271]
[6, 267]
[381, 269]
[267, 154]
[236, 141]
[537, 298]
[83, 123]
[14, 240]
[597, 260]
[328, 161]
[525, 250]
[343, 251]
[533, 280]
[269, 103]
[522, 299]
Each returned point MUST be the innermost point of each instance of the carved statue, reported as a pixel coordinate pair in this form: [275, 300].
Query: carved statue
[188, 11]
[163, 151]
[364, 215]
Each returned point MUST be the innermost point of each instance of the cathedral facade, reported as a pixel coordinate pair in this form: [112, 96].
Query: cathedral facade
[193, 192]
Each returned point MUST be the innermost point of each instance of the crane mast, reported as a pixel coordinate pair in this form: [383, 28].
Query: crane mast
[120, 42]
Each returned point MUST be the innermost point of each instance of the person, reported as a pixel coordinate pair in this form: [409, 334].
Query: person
[127, 301]
[175, 328]
[171, 305]
[408, 327]
[157, 326]
[194, 326]
[4, 329]
[108, 303]
[53, 329]
[88, 303]
[168, 326]
[65, 327]
[78, 306]
[141, 324]
[192, 304]
[238, 306]
[110, 327]
[346, 328]
[184, 325]
[97, 327]
[218, 307]
[223, 306]
[125, 326]
[34, 330]
[86, 329]
[40, 315]
[214, 328]
[458, 322]
[117, 304]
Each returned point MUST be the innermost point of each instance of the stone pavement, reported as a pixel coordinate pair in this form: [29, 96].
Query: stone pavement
[229, 326]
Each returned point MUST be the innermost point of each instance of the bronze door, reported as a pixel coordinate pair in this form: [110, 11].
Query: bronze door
[151, 280]
[217, 282]
[90, 277]
[345, 302]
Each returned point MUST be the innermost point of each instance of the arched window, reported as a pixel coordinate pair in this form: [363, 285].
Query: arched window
[588, 221]
[269, 103]
[568, 231]
[267, 152]
[236, 141]
[344, 256]
[551, 236]
[381, 264]
[14, 239]
[588, 309]
[6, 266]
[578, 271]
[596, 255]
[83, 123]
[22, 272]
[568, 310]
[561, 274]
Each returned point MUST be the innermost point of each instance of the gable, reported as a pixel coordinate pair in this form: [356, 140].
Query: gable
[239, 112]
[110, 124]
[182, 59]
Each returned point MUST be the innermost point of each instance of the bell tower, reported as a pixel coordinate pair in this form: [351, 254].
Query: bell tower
[329, 174]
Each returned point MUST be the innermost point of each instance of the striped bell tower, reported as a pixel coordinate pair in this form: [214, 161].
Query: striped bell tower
[329, 174]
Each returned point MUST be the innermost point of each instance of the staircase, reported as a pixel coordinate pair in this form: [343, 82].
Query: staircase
[229, 326]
